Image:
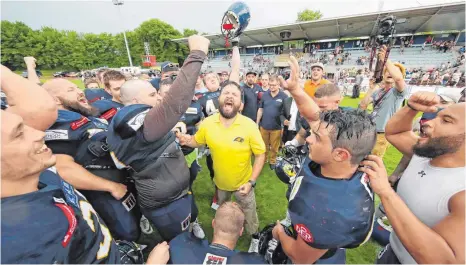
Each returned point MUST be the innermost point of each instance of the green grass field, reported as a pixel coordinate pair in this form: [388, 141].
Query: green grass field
[272, 204]
[270, 197]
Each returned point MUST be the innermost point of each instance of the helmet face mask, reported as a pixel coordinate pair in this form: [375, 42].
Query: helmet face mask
[289, 163]
[272, 255]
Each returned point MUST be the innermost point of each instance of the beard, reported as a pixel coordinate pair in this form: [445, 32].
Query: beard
[439, 146]
[77, 107]
[228, 114]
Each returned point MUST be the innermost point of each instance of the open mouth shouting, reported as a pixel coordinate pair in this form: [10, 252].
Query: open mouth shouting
[83, 100]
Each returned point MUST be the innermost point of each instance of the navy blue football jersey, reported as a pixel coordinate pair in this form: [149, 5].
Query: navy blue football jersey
[71, 130]
[188, 249]
[187, 123]
[94, 94]
[107, 108]
[54, 225]
[329, 213]
[209, 103]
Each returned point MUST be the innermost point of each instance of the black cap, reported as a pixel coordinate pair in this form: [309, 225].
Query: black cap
[251, 72]
[168, 67]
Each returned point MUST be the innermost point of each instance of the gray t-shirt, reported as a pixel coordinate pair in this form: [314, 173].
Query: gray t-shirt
[386, 107]
[426, 190]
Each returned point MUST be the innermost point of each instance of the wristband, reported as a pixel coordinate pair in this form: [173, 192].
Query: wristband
[409, 106]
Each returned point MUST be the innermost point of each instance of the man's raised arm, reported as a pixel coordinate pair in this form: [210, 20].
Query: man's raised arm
[31, 69]
[29, 100]
[399, 129]
[164, 116]
[306, 106]
[235, 65]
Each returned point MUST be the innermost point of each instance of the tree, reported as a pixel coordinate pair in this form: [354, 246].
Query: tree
[69, 50]
[189, 32]
[309, 15]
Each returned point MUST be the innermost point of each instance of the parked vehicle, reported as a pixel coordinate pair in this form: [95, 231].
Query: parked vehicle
[25, 74]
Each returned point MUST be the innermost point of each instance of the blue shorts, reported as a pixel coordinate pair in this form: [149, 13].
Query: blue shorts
[172, 219]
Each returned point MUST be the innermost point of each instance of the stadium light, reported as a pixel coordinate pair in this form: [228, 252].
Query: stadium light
[119, 3]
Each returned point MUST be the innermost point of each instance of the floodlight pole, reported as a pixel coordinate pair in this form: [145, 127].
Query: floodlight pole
[119, 3]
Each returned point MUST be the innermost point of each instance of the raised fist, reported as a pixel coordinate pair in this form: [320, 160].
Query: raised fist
[30, 61]
[424, 101]
[200, 43]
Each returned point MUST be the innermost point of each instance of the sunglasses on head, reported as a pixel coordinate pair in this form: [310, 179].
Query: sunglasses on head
[170, 65]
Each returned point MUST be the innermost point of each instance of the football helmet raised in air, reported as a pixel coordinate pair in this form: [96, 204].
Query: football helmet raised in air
[289, 163]
[270, 248]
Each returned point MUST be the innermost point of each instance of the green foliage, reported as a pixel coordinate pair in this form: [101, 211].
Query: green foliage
[70, 50]
[309, 15]
[189, 32]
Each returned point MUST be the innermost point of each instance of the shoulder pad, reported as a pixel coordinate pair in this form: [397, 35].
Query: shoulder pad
[68, 116]
[130, 119]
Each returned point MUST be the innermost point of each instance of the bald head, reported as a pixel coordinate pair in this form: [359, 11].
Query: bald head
[228, 222]
[138, 91]
[57, 86]
[69, 96]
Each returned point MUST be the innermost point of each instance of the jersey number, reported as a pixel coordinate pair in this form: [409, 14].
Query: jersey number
[210, 107]
[181, 127]
[88, 211]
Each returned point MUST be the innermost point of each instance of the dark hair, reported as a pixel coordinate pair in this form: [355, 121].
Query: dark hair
[89, 81]
[353, 130]
[228, 82]
[112, 75]
[327, 90]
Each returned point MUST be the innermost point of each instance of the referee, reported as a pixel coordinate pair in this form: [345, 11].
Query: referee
[232, 138]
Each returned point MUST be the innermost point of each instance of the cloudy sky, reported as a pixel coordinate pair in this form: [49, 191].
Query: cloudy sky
[204, 16]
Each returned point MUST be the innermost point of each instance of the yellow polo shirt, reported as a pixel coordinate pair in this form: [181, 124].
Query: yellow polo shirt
[231, 149]
[310, 87]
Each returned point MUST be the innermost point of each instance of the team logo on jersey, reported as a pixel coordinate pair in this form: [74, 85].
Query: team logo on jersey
[239, 139]
[56, 135]
[137, 121]
[279, 100]
[211, 259]
[304, 233]
[79, 123]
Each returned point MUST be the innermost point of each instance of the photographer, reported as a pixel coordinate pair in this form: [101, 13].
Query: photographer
[386, 100]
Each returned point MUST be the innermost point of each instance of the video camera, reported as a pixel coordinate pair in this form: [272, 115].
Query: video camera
[386, 28]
